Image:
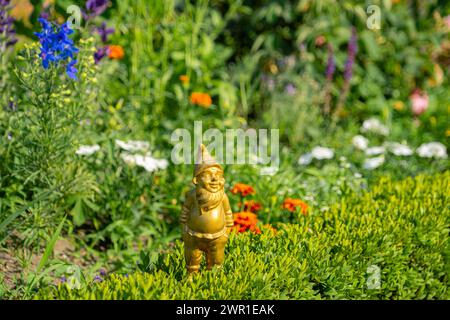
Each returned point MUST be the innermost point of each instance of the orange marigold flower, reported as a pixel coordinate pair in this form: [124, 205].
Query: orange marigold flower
[255, 229]
[202, 99]
[116, 52]
[292, 204]
[184, 78]
[244, 221]
[252, 206]
[243, 189]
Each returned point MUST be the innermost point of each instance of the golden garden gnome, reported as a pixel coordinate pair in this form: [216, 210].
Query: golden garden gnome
[206, 215]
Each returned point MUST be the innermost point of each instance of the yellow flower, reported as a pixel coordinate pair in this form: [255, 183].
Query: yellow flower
[433, 121]
[399, 105]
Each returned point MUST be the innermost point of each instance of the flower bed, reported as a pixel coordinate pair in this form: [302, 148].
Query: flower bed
[399, 229]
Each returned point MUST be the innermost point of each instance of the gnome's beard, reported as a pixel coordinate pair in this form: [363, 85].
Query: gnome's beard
[208, 200]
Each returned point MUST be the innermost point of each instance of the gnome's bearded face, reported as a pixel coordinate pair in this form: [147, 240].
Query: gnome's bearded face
[209, 180]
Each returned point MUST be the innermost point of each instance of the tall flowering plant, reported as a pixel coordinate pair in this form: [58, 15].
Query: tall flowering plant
[57, 84]
[352, 50]
[7, 40]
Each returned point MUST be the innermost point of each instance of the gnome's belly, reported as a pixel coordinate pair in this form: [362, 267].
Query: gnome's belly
[209, 222]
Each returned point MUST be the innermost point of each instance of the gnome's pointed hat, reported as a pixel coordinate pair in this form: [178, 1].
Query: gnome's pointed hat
[204, 161]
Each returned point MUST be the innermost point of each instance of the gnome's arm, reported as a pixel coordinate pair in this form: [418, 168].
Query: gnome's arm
[187, 205]
[228, 213]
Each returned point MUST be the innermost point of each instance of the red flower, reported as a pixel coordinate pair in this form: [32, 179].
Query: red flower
[252, 206]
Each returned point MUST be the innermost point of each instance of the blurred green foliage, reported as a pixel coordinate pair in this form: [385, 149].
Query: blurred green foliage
[263, 63]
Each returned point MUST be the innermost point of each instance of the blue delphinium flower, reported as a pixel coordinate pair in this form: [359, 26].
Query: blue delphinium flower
[71, 70]
[56, 46]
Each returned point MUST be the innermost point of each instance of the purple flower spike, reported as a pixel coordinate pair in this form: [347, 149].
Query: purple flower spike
[352, 50]
[290, 89]
[96, 7]
[97, 278]
[100, 54]
[44, 15]
[12, 106]
[331, 64]
[7, 31]
[102, 272]
[104, 32]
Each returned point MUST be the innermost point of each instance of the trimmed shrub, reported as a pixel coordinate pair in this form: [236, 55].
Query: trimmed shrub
[398, 231]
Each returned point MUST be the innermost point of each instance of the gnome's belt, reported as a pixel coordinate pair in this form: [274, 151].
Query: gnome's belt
[205, 235]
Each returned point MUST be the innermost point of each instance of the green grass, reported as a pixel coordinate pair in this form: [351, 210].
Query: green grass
[402, 228]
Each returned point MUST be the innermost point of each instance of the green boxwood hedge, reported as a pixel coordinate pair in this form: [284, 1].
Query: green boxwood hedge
[397, 229]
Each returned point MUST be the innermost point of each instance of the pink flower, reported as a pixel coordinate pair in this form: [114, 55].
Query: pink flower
[419, 102]
[447, 21]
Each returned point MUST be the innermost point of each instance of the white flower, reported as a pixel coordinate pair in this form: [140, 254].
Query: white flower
[147, 162]
[375, 126]
[399, 149]
[87, 150]
[268, 171]
[360, 142]
[133, 145]
[255, 159]
[321, 153]
[373, 151]
[373, 163]
[128, 158]
[305, 159]
[432, 150]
